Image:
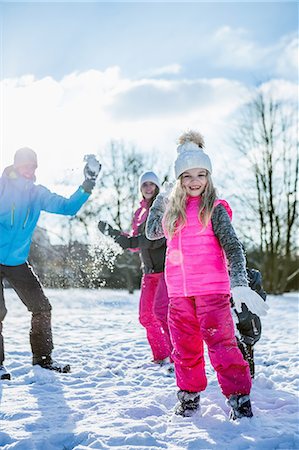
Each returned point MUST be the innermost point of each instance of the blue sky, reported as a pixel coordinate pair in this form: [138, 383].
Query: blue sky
[59, 38]
[75, 75]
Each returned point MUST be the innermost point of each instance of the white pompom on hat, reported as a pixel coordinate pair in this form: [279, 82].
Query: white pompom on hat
[191, 154]
[151, 177]
[23, 156]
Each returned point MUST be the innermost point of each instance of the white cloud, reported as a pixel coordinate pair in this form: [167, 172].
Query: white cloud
[63, 120]
[233, 48]
[281, 90]
[287, 62]
[171, 69]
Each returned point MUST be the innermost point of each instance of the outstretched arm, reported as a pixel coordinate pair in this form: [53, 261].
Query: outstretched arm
[139, 241]
[57, 204]
[134, 242]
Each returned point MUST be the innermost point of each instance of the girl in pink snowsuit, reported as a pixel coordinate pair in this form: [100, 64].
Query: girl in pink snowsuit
[153, 305]
[200, 240]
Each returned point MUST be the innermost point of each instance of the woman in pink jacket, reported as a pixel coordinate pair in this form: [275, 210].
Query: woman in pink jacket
[200, 241]
[153, 305]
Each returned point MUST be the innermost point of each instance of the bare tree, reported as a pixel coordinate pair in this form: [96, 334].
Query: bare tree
[266, 136]
[116, 196]
[122, 167]
[114, 200]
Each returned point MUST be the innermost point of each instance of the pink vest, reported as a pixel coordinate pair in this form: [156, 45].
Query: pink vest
[140, 216]
[195, 262]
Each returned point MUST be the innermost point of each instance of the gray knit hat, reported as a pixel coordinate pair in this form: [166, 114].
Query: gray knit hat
[149, 176]
[25, 155]
[191, 154]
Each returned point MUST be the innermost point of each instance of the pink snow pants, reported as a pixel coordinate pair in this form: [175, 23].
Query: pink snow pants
[206, 318]
[153, 311]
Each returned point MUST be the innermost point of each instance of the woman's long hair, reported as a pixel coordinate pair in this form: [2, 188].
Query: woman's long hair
[175, 215]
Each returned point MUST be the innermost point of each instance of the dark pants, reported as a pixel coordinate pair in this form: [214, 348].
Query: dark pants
[26, 284]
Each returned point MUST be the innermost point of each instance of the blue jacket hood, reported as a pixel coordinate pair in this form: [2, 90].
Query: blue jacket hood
[10, 172]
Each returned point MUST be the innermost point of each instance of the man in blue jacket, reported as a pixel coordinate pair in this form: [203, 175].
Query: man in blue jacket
[21, 202]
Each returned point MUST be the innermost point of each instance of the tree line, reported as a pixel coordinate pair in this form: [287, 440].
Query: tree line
[265, 140]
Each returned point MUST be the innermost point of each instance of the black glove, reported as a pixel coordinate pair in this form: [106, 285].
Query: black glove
[255, 282]
[88, 185]
[123, 241]
[107, 229]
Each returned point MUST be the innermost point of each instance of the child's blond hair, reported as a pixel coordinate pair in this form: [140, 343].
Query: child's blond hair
[175, 215]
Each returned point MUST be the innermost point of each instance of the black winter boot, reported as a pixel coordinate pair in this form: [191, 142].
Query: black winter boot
[46, 362]
[4, 375]
[241, 406]
[189, 403]
[166, 363]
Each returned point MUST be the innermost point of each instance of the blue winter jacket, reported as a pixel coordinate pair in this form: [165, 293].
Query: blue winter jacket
[21, 202]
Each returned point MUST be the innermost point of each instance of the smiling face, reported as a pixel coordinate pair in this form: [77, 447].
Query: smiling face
[27, 171]
[194, 181]
[148, 190]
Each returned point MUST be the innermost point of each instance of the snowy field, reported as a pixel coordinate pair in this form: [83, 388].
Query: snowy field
[116, 399]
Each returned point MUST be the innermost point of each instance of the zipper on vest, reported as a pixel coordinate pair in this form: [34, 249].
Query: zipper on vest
[26, 218]
[12, 215]
[182, 265]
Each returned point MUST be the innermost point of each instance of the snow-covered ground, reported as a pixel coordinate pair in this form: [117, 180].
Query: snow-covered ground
[114, 398]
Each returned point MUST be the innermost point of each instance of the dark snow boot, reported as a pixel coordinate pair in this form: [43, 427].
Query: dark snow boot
[166, 363]
[240, 406]
[46, 362]
[188, 403]
[4, 375]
